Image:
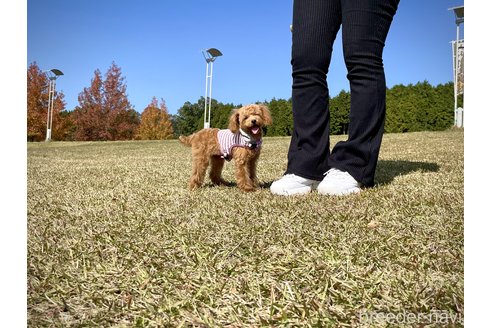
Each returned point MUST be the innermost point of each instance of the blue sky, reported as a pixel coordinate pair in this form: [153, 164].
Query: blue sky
[158, 46]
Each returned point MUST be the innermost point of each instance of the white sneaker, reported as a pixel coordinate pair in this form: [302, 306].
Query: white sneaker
[291, 184]
[338, 183]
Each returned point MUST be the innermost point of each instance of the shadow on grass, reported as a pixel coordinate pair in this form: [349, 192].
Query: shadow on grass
[233, 184]
[387, 171]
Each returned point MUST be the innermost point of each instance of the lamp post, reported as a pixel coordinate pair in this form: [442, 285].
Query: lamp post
[53, 74]
[210, 55]
[458, 48]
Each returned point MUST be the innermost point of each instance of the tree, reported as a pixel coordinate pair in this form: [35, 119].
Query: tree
[37, 106]
[65, 130]
[339, 113]
[419, 107]
[408, 108]
[396, 115]
[220, 114]
[281, 111]
[444, 95]
[90, 117]
[189, 118]
[155, 123]
[104, 112]
[123, 119]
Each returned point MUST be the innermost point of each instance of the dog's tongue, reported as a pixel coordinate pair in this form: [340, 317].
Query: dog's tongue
[255, 130]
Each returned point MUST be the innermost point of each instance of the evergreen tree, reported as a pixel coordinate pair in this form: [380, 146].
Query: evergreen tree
[443, 106]
[281, 111]
[220, 114]
[419, 107]
[189, 119]
[408, 108]
[339, 113]
[395, 121]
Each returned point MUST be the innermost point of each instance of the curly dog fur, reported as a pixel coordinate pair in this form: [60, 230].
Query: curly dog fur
[206, 150]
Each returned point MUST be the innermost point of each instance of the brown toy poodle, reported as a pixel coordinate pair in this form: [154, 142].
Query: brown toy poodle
[241, 142]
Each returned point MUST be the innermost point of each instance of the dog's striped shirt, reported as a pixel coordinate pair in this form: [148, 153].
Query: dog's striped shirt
[228, 140]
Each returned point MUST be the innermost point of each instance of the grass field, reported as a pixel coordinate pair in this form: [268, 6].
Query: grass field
[115, 239]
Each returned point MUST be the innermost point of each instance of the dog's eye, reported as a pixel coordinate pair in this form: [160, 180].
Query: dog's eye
[246, 117]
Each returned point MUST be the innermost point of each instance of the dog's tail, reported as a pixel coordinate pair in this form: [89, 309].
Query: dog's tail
[186, 140]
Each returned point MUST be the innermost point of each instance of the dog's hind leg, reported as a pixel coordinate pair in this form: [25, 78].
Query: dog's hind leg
[217, 163]
[200, 164]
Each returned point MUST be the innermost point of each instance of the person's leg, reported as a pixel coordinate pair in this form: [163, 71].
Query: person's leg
[365, 25]
[315, 26]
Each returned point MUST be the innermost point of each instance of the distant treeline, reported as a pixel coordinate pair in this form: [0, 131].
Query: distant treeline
[409, 108]
[105, 113]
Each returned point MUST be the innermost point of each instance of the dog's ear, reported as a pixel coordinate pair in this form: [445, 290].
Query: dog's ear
[267, 117]
[234, 121]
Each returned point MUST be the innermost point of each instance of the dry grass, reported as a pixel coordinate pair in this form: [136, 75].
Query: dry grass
[116, 239]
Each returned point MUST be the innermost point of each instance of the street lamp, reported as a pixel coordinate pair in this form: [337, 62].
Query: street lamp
[210, 55]
[458, 53]
[53, 74]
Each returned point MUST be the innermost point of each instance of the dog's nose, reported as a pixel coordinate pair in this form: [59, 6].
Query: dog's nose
[253, 121]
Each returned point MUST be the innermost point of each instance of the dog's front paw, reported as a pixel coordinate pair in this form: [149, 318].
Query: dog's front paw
[192, 186]
[219, 182]
[248, 188]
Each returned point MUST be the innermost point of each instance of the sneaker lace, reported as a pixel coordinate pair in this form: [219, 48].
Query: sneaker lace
[335, 173]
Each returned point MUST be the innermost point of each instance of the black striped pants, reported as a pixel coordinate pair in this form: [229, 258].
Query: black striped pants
[365, 25]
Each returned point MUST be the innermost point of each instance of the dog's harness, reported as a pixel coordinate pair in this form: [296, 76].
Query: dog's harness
[228, 140]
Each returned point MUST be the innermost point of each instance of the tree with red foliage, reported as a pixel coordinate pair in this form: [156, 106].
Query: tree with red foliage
[37, 106]
[155, 123]
[104, 112]
[89, 118]
[123, 119]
